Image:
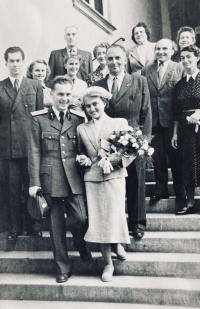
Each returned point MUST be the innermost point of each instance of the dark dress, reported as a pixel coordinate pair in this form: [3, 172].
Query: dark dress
[186, 101]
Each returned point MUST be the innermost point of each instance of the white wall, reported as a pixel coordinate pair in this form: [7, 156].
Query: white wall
[37, 26]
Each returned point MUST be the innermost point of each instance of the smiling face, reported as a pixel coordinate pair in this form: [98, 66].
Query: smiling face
[189, 61]
[140, 35]
[94, 107]
[62, 95]
[185, 39]
[101, 55]
[39, 72]
[15, 64]
[72, 66]
[164, 50]
[116, 60]
[71, 37]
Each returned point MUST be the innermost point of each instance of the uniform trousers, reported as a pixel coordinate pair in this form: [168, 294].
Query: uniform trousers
[162, 150]
[17, 183]
[135, 193]
[75, 208]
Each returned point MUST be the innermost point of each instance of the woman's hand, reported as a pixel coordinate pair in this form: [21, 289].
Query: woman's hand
[194, 118]
[83, 160]
[175, 141]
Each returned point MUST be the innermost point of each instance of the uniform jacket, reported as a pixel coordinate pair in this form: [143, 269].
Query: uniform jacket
[15, 116]
[162, 96]
[52, 155]
[57, 67]
[134, 64]
[88, 145]
[132, 103]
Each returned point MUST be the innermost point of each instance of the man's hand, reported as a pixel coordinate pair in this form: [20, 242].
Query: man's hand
[175, 141]
[33, 191]
[83, 160]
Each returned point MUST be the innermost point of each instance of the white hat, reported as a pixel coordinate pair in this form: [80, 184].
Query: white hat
[96, 91]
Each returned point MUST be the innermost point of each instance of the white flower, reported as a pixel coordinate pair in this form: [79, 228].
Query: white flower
[139, 132]
[130, 129]
[145, 146]
[135, 145]
[140, 152]
[121, 139]
[113, 136]
[150, 151]
[133, 140]
[124, 142]
[127, 136]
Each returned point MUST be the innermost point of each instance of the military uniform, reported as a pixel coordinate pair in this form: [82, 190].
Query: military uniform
[52, 166]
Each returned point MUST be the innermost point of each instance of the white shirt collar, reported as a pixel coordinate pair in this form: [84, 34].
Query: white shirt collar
[74, 49]
[165, 63]
[119, 77]
[193, 75]
[12, 79]
[58, 112]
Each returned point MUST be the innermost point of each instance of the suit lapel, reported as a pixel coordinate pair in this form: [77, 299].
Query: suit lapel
[10, 90]
[56, 124]
[150, 51]
[126, 83]
[105, 127]
[134, 54]
[66, 125]
[153, 75]
[90, 131]
[22, 91]
[168, 74]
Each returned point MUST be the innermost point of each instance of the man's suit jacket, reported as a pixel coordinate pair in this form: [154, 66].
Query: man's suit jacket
[52, 155]
[133, 64]
[15, 116]
[132, 102]
[57, 67]
[162, 96]
[88, 145]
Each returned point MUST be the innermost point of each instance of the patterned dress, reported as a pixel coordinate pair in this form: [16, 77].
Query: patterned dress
[186, 101]
[95, 76]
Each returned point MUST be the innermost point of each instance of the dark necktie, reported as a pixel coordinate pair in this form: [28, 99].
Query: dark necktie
[114, 90]
[61, 114]
[190, 81]
[160, 72]
[16, 85]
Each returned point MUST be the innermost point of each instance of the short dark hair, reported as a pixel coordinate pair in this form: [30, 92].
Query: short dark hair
[103, 45]
[146, 28]
[184, 29]
[73, 56]
[61, 80]
[117, 45]
[192, 49]
[31, 66]
[12, 50]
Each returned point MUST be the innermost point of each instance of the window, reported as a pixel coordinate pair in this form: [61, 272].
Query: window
[96, 11]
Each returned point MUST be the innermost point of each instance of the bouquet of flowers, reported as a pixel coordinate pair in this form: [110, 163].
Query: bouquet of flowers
[131, 142]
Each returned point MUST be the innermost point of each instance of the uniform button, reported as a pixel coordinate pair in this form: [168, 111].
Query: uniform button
[63, 151]
[63, 144]
[62, 136]
[26, 105]
[49, 136]
[74, 142]
[63, 160]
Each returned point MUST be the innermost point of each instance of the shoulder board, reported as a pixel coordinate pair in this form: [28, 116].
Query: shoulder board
[77, 113]
[40, 112]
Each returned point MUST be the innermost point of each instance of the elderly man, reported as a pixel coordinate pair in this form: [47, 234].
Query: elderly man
[131, 100]
[19, 96]
[162, 78]
[52, 167]
[57, 56]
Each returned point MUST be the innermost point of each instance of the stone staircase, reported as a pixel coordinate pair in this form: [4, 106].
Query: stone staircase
[162, 270]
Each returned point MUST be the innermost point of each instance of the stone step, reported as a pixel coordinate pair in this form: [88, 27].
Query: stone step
[177, 242]
[168, 205]
[123, 289]
[18, 304]
[181, 265]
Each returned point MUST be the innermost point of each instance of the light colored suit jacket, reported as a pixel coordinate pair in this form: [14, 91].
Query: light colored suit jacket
[162, 96]
[52, 155]
[15, 117]
[88, 145]
[57, 67]
[134, 63]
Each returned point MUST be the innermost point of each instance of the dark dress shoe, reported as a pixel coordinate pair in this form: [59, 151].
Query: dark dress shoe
[138, 233]
[186, 211]
[85, 255]
[157, 196]
[13, 235]
[63, 278]
[37, 234]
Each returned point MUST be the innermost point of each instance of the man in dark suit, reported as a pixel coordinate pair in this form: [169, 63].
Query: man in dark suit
[131, 101]
[57, 56]
[52, 167]
[162, 78]
[18, 97]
